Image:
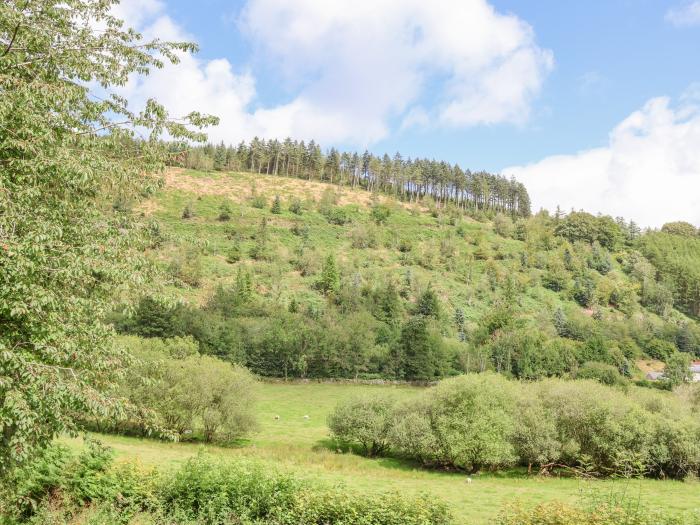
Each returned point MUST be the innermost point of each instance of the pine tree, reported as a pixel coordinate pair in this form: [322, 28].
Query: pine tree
[293, 306]
[330, 277]
[234, 253]
[428, 304]
[220, 157]
[276, 205]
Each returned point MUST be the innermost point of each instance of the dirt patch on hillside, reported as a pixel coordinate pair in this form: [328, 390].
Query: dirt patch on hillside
[650, 365]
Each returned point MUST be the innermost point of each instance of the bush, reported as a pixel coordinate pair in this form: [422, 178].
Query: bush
[62, 479]
[484, 421]
[258, 201]
[380, 213]
[189, 394]
[186, 267]
[188, 212]
[245, 492]
[364, 421]
[503, 225]
[337, 215]
[233, 255]
[363, 237]
[555, 513]
[68, 489]
[601, 372]
[473, 420]
[225, 211]
[296, 207]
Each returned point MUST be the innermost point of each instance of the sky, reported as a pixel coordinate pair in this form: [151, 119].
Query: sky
[592, 105]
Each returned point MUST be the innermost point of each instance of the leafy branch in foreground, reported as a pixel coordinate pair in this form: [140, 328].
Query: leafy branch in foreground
[65, 155]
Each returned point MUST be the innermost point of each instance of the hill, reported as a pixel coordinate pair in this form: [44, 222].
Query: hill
[301, 278]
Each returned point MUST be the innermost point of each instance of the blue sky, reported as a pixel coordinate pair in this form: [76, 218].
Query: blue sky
[540, 89]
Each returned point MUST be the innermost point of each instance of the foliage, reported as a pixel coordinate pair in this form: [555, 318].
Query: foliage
[601, 372]
[436, 183]
[190, 394]
[225, 211]
[203, 490]
[581, 226]
[556, 513]
[276, 207]
[482, 421]
[329, 281]
[363, 420]
[681, 228]
[677, 369]
[676, 259]
[65, 251]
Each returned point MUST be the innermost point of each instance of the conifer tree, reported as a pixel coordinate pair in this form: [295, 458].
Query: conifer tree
[330, 277]
[276, 207]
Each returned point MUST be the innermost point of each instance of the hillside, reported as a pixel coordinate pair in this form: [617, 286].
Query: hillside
[303, 278]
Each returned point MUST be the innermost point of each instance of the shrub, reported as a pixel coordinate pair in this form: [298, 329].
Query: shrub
[186, 267]
[363, 237]
[411, 431]
[296, 207]
[244, 492]
[233, 255]
[473, 421]
[556, 513]
[188, 392]
[337, 215]
[188, 212]
[503, 225]
[601, 372]
[484, 421]
[202, 491]
[258, 201]
[380, 213]
[225, 211]
[364, 421]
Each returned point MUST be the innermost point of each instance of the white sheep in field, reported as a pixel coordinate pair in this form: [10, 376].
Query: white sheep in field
[277, 418]
[306, 418]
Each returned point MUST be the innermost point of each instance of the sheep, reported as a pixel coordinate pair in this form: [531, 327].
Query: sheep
[306, 417]
[277, 418]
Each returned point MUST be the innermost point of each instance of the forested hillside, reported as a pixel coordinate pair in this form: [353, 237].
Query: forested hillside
[301, 278]
[406, 179]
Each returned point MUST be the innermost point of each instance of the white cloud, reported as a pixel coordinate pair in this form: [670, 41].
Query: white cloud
[648, 172]
[354, 72]
[687, 14]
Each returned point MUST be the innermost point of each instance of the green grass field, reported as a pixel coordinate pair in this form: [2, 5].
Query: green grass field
[302, 446]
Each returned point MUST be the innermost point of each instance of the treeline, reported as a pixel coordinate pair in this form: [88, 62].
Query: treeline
[485, 422]
[406, 179]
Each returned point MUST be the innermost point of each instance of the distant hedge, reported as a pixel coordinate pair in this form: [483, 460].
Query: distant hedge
[484, 421]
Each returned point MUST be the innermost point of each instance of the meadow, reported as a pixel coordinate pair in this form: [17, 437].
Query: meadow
[302, 446]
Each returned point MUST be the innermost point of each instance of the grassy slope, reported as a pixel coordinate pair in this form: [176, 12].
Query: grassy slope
[295, 443]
